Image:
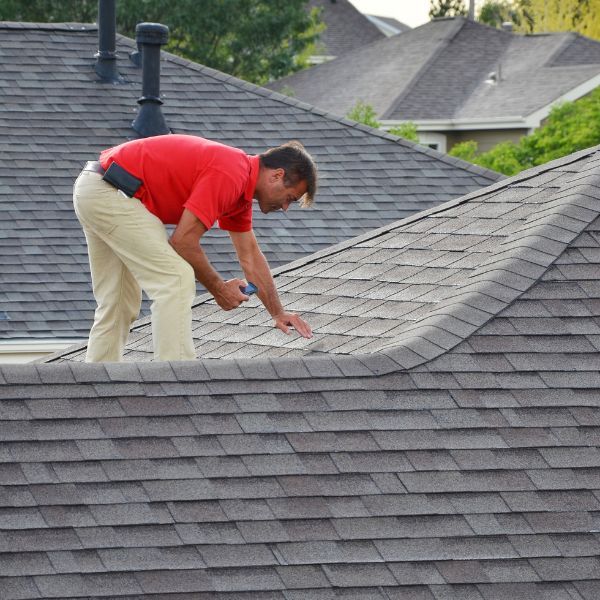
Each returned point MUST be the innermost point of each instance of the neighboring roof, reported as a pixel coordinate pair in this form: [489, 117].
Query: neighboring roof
[388, 25]
[466, 466]
[56, 115]
[439, 71]
[346, 27]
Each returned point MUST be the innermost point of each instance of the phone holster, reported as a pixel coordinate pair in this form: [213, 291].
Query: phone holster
[122, 179]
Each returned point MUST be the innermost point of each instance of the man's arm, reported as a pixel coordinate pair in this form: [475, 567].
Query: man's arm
[256, 269]
[186, 242]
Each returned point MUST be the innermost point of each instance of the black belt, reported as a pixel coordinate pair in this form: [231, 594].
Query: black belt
[117, 176]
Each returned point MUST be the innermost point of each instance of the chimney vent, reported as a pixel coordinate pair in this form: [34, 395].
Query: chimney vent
[150, 120]
[507, 26]
[106, 57]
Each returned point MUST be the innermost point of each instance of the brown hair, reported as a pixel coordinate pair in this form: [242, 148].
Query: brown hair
[297, 164]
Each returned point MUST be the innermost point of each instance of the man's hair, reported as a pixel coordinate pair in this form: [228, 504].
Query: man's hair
[297, 164]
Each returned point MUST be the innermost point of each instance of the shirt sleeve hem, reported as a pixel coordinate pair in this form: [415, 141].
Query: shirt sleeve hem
[201, 217]
[236, 228]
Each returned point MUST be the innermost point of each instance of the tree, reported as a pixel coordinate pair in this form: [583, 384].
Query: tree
[541, 16]
[496, 12]
[571, 126]
[446, 8]
[257, 40]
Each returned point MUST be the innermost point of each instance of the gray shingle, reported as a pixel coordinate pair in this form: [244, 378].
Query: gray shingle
[470, 475]
[42, 281]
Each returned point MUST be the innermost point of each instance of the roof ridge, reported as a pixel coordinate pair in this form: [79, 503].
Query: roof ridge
[422, 72]
[66, 26]
[567, 40]
[459, 23]
[440, 208]
[506, 275]
[278, 97]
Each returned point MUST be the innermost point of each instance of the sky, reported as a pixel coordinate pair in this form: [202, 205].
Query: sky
[410, 12]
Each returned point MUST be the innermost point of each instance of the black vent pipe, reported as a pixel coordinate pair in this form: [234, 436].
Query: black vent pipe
[106, 57]
[150, 120]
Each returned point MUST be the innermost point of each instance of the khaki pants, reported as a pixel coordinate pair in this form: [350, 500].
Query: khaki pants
[129, 251]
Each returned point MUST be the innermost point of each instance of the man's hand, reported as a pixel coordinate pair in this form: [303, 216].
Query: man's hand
[229, 295]
[285, 320]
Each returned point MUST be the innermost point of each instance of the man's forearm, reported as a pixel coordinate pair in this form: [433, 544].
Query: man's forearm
[203, 270]
[258, 272]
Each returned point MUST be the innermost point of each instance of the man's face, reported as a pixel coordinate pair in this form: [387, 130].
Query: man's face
[275, 195]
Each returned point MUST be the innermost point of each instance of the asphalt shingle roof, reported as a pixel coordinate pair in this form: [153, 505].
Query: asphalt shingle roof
[55, 115]
[439, 71]
[346, 27]
[468, 471]
[412, 289]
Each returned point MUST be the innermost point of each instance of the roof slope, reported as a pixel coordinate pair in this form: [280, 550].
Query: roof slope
[405, 289]
[347, 28]
[474, 473]
[376, 73]
[55, 115]
[439, 71]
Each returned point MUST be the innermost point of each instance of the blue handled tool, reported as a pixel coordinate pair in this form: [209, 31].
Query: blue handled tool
[249, 289]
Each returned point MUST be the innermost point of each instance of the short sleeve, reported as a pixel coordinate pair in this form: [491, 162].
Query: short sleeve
[214, 194]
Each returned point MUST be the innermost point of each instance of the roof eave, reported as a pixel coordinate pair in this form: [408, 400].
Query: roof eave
[530, 121]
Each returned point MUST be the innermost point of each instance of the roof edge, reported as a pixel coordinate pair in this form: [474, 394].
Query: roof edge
[67, 26]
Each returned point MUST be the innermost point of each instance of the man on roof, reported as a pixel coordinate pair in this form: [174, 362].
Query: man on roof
[123, 201]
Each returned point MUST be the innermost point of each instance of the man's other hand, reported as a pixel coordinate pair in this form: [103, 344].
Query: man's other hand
[229, 295]
[286, 320]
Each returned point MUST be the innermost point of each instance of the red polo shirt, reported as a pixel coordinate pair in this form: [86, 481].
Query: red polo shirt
[213, 181]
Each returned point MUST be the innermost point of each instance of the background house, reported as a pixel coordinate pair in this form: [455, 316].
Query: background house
[448, 449]
[346, 28]
[457, 80]
[56, 113]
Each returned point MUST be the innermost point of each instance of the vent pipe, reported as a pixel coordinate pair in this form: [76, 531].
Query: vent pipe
[106, 57]
[150, 120]
[472, 10]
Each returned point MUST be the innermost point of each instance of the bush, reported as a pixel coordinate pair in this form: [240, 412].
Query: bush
[407, 130]
[364, 113]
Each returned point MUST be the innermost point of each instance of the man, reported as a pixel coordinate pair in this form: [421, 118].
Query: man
[191, 182]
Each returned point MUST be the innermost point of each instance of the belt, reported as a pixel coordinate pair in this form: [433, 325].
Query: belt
[94, 166]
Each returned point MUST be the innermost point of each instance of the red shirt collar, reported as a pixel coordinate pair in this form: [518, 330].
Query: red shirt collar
[250, 187]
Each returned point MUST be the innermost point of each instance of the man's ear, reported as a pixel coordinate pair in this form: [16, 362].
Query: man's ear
[278, 174]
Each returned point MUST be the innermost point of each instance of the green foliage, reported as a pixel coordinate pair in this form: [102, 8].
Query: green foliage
[541, 16]
[407, 130]
[446, 8]
[363, 113]
[465, 150]
[496, 12]
[571, 126]
[257, 40]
